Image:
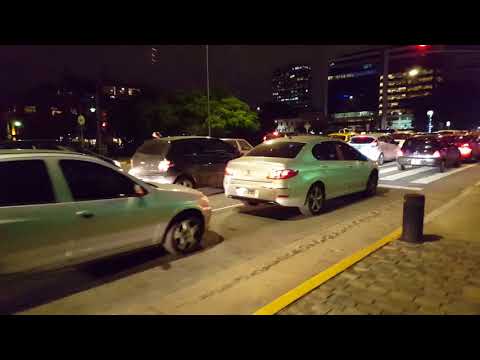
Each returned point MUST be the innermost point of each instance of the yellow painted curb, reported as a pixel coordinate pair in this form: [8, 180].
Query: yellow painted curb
[286, 299]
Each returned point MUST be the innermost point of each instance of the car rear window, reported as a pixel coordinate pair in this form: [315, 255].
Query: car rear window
[421, 144]
[156, 147]
[280, 149]
[362, 140]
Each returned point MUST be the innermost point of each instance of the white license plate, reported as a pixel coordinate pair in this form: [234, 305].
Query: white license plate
[416, 162]
[247, 192]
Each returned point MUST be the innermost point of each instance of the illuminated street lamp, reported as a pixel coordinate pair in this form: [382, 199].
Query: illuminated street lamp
[448, 124]
[413, 72]
[430, 125]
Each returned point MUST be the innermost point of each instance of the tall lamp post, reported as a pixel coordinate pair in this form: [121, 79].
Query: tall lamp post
[208, 95]
[430, 124]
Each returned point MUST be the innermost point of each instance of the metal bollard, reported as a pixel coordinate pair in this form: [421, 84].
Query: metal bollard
[413, 213]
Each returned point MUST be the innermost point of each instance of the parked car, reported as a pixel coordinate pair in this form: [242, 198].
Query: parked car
[301, 171]
[191, 161]
[377, 147]
[242, 145]
[54, 145]
[60, 208]
[428, 151]
[468, 145]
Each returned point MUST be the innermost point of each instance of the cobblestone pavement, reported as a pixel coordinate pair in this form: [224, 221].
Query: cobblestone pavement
[435, 277]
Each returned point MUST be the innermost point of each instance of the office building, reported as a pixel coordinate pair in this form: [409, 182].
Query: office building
[292, 86]
[359, 97]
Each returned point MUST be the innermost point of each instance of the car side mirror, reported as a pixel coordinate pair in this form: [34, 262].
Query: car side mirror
[139, 191]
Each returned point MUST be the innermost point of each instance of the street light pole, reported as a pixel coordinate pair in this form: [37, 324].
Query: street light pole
[208, 96]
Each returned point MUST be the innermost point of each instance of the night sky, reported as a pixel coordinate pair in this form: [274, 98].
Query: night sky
[245, 70]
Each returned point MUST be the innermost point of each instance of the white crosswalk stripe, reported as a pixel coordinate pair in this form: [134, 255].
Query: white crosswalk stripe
[435, 177]
[388, 170]
[404, 174]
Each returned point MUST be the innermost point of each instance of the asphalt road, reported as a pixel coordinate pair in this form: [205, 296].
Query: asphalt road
[250, 256]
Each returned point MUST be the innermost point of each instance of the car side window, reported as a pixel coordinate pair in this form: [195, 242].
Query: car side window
[348, 153]
[90, 181]
[25, 182]
[244, 145]
[218, 146]
[325, 151]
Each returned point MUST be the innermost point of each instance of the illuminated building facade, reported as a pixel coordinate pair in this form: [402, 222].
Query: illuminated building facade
[292, 86]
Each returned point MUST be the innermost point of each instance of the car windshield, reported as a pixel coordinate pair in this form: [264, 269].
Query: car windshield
[362, 140]
[155, 147]
[281, 149]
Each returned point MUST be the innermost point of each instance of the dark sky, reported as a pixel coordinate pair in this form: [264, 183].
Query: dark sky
[245, 70]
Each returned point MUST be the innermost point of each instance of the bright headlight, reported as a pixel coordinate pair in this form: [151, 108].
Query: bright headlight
[117, 163]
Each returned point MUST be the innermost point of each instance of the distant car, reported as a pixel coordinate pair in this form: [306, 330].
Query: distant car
[468, 145]
[277, 134]
[242, 145]
[61, 208]
[428, 151]
[344, 135]
[377, 147]
[301, 171]
[191, 161]
[54, 145]
[401, 136]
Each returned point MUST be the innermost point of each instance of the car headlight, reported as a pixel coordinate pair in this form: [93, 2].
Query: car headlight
[117, 163]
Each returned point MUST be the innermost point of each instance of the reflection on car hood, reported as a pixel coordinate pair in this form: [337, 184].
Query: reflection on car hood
[175, 188]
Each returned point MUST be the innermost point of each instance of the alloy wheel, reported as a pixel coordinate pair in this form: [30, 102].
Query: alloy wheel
[185, 234]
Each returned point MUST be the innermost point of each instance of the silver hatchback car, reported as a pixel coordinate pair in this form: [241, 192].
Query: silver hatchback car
[59, 208]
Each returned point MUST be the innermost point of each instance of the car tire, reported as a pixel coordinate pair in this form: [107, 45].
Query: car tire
[184, 234]
[185, 181]
[372, 184]
[381, 159]
[314, 201]
[442, 166]
[400, 167]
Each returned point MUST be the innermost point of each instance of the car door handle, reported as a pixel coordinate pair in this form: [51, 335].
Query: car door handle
[84, 214]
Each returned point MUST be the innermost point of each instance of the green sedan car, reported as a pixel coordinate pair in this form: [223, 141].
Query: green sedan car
[61, 208]
[300, 171]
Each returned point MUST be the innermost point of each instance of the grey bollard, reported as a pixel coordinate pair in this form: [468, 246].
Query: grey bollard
[413, 213]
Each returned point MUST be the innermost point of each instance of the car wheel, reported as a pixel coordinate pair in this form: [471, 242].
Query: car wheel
[442, 166]
[185, 181]
[184, 235]
[372, 184]
[400, 167]
[314, 201]
[381, 159]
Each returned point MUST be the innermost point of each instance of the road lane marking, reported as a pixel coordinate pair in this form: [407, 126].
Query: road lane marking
[227, 207]
[388, 170]
[314, 282]
[390, 164]
[435, 177]
[400, 187]
[406, 173]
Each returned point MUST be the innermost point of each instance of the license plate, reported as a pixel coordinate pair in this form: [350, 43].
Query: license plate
[247, 192]
[416, 162]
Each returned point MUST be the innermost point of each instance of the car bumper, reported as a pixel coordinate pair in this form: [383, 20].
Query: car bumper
[413, 161]
[260, 192]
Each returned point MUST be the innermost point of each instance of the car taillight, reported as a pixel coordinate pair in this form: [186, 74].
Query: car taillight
[264, 138]
[164, 165]
[282, 174]
[466, 145]
[436, 154]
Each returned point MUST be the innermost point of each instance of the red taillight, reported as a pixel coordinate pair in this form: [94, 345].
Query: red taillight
[282, 174]
[436, 154]
[164, 165]
[465, 145]
[275, 133]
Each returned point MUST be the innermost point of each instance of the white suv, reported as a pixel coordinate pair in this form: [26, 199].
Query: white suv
[377, 147]
[59, 208]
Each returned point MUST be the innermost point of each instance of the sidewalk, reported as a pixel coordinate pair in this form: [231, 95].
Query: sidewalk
[439, 276]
